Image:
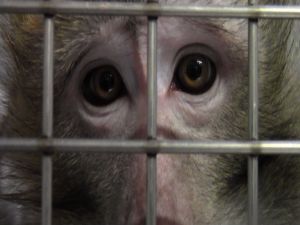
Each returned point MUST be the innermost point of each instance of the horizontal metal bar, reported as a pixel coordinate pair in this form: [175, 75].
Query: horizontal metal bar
[152, 146]
[150, 9]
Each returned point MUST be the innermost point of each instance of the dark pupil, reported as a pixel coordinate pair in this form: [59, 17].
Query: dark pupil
[106, 81]
[194, 68]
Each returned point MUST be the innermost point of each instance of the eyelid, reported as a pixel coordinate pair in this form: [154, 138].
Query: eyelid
[95, 63]
[196, 49]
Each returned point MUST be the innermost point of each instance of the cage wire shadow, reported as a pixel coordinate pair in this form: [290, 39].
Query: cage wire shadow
[152, 9]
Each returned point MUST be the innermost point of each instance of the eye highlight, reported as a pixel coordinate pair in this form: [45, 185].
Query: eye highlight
[102, 85]
[195, 74]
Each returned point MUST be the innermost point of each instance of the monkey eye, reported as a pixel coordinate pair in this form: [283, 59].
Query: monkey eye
[195, 74]
[102, 85]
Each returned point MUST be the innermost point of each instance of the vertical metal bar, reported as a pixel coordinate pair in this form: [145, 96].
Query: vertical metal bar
[253, 190]
[48, 78]
[152, 76]
[47, 123]
[151, 190]
[152, 117]
[253, 78]
[47, 190]
[253, 119]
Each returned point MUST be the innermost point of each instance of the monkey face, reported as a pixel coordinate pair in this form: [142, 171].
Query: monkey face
[107, 95]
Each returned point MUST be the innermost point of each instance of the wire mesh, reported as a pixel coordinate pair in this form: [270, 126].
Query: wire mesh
[253, 148]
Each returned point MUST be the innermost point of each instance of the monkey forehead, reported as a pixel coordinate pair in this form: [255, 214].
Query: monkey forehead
[102, 25]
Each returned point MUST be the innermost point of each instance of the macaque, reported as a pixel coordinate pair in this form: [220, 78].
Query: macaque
[100, 90]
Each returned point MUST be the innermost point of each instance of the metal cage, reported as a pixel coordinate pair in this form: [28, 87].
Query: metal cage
[152, 9]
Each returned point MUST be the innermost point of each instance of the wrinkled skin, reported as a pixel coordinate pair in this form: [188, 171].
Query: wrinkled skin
[109, 189]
